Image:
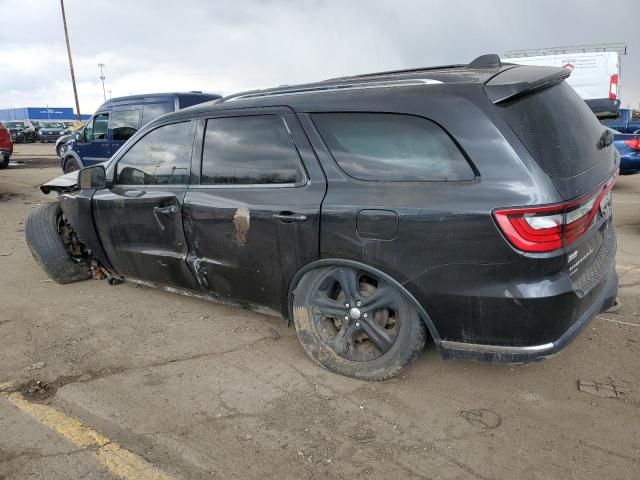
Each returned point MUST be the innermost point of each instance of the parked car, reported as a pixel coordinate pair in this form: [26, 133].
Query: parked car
[627, 121]
[116, 121]
[50, 131]
[628, 146]
[6, 146]
[22, 131]
[61, 142]
[471, 203]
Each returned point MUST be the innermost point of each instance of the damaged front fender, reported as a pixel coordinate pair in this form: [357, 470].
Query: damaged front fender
[62, 184]
[76, 206]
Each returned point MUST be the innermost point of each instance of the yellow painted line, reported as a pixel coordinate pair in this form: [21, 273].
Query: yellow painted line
[119, 461]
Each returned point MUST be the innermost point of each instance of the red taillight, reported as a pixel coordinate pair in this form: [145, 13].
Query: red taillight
[550, 227]
[613, 87]
[633, 143]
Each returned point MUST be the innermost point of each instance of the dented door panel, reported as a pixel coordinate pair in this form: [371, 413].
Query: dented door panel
[246, 242]
[143, 235]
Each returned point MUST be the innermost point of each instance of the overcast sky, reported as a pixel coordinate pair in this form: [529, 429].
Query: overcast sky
[227, 46]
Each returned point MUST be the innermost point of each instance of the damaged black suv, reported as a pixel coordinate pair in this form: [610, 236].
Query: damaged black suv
[470, 203]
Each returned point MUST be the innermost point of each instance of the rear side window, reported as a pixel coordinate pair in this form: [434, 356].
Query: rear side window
[124, 123]
[161, 157]
[249, 150]
[392, 147]
[558, 129]
[154, 110]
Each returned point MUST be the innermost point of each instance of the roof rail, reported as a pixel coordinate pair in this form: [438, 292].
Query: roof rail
[328, 86]
[360, 81]
[397, 72]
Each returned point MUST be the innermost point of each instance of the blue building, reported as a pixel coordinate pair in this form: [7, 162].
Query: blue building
[39, 113]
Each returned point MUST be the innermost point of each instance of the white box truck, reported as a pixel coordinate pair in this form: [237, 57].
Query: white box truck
[595, 74]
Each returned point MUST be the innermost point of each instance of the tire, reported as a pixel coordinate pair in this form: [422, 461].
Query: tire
[71, 165]
[5, 162]
[370, 345]
[43, 237]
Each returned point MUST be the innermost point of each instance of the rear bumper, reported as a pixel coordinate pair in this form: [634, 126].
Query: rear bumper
[523, 354]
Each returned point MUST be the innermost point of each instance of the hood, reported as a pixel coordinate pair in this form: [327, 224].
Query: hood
[64, 183]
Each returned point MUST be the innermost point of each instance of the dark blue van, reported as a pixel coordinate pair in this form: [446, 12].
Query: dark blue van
[117, 120]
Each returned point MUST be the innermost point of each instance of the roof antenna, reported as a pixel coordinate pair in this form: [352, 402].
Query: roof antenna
[491, 60]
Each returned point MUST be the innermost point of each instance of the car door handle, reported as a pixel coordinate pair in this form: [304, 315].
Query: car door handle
[170, 210]
[290, 217]
[134, 193]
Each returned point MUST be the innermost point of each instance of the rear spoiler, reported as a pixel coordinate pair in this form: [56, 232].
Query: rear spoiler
[517, 80]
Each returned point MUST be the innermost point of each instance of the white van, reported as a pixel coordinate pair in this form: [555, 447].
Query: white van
[595, 75]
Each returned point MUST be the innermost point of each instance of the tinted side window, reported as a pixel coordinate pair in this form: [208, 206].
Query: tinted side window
[96, 129]
[249, 150]
[392, 148]
[154, 110]
[162, 157]
[124, 123]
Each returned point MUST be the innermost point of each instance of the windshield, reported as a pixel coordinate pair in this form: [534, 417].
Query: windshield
[51, 125]
[15, 125]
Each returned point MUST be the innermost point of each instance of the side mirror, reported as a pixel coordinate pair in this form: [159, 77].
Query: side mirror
[77, 136]
[94, 177]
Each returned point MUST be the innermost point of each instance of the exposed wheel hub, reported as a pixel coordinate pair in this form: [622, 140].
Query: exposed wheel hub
[354, 313]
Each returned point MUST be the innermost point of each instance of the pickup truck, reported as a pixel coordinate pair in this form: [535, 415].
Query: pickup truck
[628, 121]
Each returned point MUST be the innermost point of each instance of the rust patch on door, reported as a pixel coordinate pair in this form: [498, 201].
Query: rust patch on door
[241, 221]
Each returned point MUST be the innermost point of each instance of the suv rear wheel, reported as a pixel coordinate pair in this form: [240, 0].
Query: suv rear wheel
[356, 324]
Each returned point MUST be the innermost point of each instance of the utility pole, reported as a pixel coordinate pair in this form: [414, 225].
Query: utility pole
[73, 76]
[104, 94]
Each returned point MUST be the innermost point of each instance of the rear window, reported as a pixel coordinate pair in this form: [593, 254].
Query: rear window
[558, 129]
[392, 147]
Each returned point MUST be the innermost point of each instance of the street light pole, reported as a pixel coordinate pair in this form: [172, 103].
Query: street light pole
[104, 94]
[73, 76]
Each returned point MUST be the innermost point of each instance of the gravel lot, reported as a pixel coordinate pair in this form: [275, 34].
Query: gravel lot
[199, 390]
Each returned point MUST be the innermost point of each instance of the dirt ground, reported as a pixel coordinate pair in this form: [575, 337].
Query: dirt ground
[199, 390]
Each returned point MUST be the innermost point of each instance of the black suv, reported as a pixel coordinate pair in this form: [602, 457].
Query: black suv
[469, 202]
